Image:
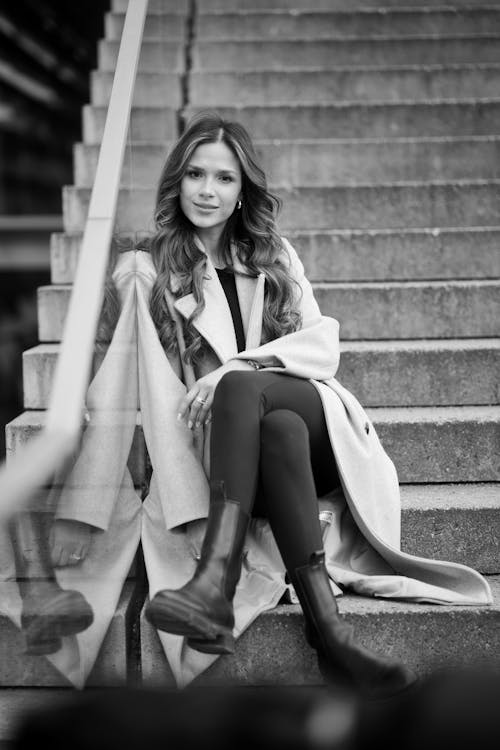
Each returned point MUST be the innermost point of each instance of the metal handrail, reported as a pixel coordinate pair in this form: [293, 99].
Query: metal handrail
[33, 465]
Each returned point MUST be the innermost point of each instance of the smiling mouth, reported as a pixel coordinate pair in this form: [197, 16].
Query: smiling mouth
[205, 207]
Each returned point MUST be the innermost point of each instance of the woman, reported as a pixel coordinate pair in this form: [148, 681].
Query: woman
[239, 324]
[270, 450]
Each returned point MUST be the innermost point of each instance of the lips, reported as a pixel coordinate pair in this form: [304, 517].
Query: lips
[205, 206]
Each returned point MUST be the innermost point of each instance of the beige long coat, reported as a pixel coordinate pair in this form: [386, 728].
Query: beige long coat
[362, 545]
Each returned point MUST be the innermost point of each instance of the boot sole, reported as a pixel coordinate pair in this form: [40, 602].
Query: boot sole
[65, 615]
[223, 644]
[172, 615]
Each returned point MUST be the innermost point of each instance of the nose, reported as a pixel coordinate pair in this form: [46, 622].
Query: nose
[207, 187]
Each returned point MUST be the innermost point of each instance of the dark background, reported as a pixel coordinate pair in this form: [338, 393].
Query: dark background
[47, 50]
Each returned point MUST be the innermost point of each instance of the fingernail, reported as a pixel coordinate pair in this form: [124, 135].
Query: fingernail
[197, 424]
[190, 424]
[179, 417]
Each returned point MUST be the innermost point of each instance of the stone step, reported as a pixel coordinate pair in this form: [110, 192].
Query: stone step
[274, 651]
[176, 7]
[365, 311]
[390, 84]
[427, 444]
[150, 88]
[385, 206]
[155, 56]
[367, 120]
[147, 124]
[167, 27]
[326, 54]
[412, 433]
[358, 255]
[20, 670]
[324, 162]
[217, 6]
[452, 372]
[359, 22]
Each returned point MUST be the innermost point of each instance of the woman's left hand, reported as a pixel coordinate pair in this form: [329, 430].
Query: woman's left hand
[197, 403]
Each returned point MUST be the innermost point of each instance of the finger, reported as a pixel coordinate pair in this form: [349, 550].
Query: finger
[204, 412]
[186, 402]
[196, 407]
[56, 555]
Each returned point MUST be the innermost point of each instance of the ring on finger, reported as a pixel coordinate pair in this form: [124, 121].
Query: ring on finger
[201, 400]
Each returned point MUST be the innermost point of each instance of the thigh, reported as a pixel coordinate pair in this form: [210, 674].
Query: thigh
[301, 396]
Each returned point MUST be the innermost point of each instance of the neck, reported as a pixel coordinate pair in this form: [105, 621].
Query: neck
[211, 241]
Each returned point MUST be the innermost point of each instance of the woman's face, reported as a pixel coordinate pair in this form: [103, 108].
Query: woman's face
[210, 187]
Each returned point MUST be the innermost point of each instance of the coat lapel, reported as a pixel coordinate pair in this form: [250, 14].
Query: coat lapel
[215, 323]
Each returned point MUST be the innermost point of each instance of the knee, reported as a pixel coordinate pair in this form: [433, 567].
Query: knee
[284, 436]
[235, 390]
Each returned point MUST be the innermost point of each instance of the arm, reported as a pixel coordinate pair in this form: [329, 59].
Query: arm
[312, 351]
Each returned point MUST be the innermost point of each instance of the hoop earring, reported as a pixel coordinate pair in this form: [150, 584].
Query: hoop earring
[238, 205]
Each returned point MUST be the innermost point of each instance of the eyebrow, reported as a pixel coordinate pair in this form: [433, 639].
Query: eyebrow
[191, 165]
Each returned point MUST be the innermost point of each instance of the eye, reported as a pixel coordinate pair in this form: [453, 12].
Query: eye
[226, 178]
[193, 173]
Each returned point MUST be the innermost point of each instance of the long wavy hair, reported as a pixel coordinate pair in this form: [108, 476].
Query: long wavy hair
[252, 229]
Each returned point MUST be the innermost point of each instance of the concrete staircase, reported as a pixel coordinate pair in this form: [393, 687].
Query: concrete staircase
[379, 128]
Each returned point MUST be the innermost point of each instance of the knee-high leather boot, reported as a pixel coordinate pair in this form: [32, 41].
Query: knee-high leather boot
[48, 611]
[340, 657]
[202, 609]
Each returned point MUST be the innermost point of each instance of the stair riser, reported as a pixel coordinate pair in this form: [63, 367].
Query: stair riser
[20, 670]
[180, 7]
[331, 163]
[145, 126]
[378, 377]
[371, 312]
[166, 27]
[464, 310]
[374, 256]
[438, 451]
[327, 54]
[211, 6]
[372, 207]
[215, 89]
[334, 25]
[366, 120]
[151, 89]
[161, 57]
[273, 650]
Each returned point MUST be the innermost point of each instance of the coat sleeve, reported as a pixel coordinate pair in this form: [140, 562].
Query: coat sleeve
[313, 351]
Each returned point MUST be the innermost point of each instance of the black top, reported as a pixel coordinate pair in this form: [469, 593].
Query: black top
[226, 278]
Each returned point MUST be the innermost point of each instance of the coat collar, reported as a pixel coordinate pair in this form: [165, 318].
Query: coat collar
[215, 322]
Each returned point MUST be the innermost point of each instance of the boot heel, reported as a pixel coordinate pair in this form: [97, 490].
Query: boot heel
[222, 644]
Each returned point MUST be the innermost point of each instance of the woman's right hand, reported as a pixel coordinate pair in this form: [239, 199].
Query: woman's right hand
[197, 403]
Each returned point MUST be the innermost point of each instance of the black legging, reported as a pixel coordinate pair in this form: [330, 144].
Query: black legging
[270, 446]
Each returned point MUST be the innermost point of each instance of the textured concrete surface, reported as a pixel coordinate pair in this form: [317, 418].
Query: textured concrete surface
[379, 21]
[146, 124]
[154, 56]
[319, 86]
[360, 255]
[385, 206]
[458, 522]
[19, 670]
[441, 444]
[383, 373]
[165, 26]
[210, 6]
[328, 162]
[283, 54]
[367, 119]
[365, 311]
[150, 89]
[273, 650]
